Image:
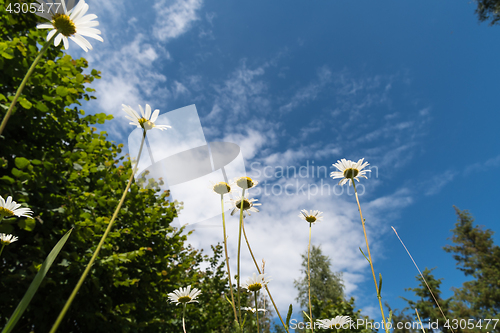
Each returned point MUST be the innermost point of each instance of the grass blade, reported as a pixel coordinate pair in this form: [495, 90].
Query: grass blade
[18, 312]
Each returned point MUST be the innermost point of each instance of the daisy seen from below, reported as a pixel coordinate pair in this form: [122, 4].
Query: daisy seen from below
[146, 121]
[71, 23]
[184, 295]
[256, 282]
[6, 240]
[221, 188]
[312, 216]
[248, 205]
[10, 208]
[349, 170]
[337, 322]
[246, 182]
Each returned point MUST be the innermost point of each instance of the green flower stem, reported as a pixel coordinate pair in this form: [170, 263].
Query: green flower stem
[227, 257]
[239, 252]
[370, 257]
[183, 316]
[23, 83]
[309, 277]
[1, 250]
[258, 270]
[96, 252]
[256, 311]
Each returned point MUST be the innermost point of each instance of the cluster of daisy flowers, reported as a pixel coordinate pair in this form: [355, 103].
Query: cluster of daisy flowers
[348, 171]
[9, 208]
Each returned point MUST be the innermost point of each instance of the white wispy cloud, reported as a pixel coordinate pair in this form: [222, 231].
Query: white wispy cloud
[310, 91]
[175, 18]
[435, 184]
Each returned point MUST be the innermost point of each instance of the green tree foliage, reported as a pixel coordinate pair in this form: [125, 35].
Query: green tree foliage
[488, 10]
[327, 294]
[477, 256]
[325, 284]
[52, 159]
[426, 305]
[478, 299]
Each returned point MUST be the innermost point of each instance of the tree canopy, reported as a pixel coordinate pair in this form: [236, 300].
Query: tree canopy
[327, 294]
[488, 10]
[53, 160]
[476, 256]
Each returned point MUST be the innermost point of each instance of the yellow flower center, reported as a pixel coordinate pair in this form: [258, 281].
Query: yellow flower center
[222, 188]
[5, 212]
[351, 173]
[184, 299]
[246, 204]
[245, 182]
[255, 286]
[63, 24]
[146, 124]
[311, 219]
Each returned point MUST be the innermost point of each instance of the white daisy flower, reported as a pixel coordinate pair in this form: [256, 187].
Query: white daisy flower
[246, 182]
[184, 295]
[256, 282]
[252, 310]
[10, 208]
[312, 216]
[337, 322]
[220, 187]
[72, 23]
[248, 205]
[145, 121]
[7, 239]
[349, 170]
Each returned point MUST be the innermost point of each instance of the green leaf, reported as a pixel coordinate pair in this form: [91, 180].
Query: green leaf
[18, 312]
[8, 179]
[307, 316]
[25, 103]
[16, 172]
[21, 162]
[379, 283]
[62, 91]
[364, 255]
[27, 224]
[288, 316]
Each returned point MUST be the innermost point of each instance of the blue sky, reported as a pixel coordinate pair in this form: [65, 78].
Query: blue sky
[410, 87]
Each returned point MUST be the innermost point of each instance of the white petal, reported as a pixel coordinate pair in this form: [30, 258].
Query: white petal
[77, 10]
[51, 33]
[89, 34]
[148, 112]
[142, 111]
[88, 24]
[58, 39]
[45, 26]
[82, 42]
[66, 43]
[85, 19]
[155, 115]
